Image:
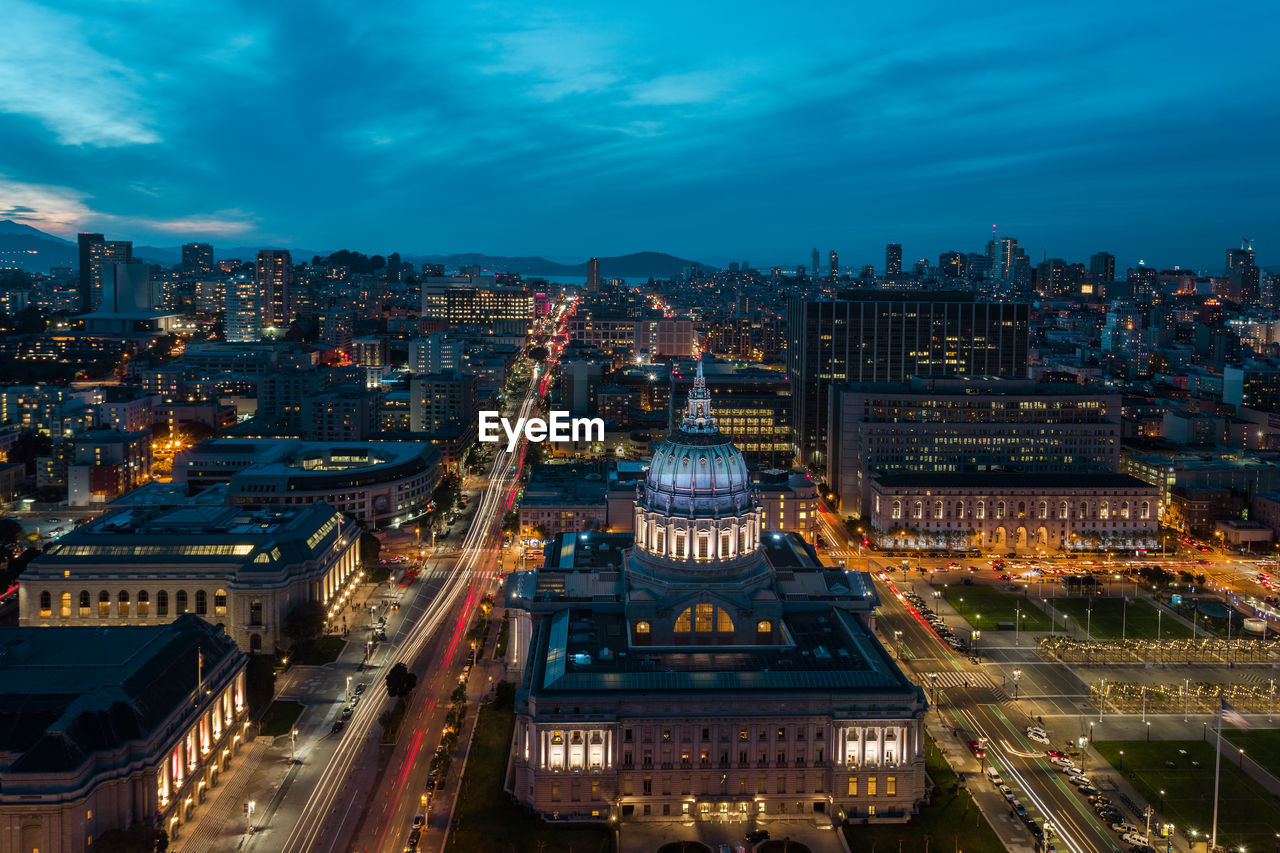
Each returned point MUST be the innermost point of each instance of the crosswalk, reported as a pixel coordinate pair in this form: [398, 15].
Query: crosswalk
[971, 680]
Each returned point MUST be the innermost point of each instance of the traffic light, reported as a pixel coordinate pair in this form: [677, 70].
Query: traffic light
[865, 541]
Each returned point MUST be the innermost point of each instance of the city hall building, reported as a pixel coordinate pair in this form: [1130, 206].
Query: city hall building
[109, 728]
[242, 568]
[706, 668]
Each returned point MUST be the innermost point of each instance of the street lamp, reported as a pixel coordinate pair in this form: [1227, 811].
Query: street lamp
[1017, 674]
[293, 744]
[1091, 725]
[1149, 733]
[1121, 767]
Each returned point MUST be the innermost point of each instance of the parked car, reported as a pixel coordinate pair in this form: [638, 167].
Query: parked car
[758, 835]
[976, 749]
[337, 726]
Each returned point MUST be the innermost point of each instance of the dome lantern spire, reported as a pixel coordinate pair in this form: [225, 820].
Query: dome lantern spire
[697, 414]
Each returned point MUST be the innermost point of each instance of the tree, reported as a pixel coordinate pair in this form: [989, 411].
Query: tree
[10, 530]
[370, 548]
[136, 839]
[511, 522]
[304, 623]
[400, 681]
[538, 353]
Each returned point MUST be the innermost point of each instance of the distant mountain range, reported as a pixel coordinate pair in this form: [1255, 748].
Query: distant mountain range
[35, 251]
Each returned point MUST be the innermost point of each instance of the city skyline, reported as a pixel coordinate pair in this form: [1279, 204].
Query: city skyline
[507, 133]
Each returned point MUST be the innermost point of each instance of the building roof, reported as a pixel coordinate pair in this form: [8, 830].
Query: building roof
[1001, 480]
[67, 693]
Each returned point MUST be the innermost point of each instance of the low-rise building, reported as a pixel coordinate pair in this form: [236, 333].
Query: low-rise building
[242, 568]
[111, 729]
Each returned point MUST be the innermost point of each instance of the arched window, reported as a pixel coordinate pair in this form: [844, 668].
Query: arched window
[959, 509]
[104, 604]
[683, 623]
[144, 603]
[1124, 509]
[1104, 510]
[85, 604]
[1084, 509]
[1000, 509]
[937, 509]
[1146, 509]
[1044, 510]
[764, 626]
[704, 546]
[180, 602]
[1022, 509]
[46, 603]
[122, 605]
[897, 509]
[1062, 509]
[980, 511]
[724, 624]
[255, 612]
[642, 627]
[202, 602]
[162, 603]
[917, 510]
[220, 603]
[64, 602]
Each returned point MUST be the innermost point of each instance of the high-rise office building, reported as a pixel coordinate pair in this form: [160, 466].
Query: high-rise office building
[197, 258]
[242, 316]
[951, 264]
[1143, 283]
[1004, 254]
[893, 259]
[1243, 278]
[833, 262]
[95, 254]
[1102, 267]
[275, 278]
[874, 336]
[593, 275]
[127, 289]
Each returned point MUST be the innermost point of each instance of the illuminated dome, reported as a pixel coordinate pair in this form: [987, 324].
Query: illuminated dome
[697, 504]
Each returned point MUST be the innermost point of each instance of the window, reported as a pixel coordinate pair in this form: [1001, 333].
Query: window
[46, 604]
[1104, 510]
[891, 786]
[871, 786]
[1084, 510]
[917, 510]
[764, 626]
[981, 510]
[1000, 509]
[181, 602]
[122, 605]
[202, 602]
[255, 612]
[723, 623]
[704, 546]
[642, 627]
[897, 509]
[144, 603]
[1022, 509]
[104, 604]
[84, 604]
[702, 618]
[1043, 511]
[1146, 510]
[853, 786]
[162, 603]
[937, 509]
[683, 622]
[220, 603]
[64, 605]
[1124, 509]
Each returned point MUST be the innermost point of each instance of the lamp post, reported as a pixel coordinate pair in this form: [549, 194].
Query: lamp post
[1017, 674]
[348, 688]
[1121, 767]
[1102, 697]
[293, 744]
[1091, 725]
[1017, 620]
[1241, 758]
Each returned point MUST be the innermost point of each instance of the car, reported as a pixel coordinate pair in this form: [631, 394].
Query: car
[724, 848]
[1038, 737]
[1082, 782]
[758, 835]
[337, 726]
[346, 713]
[1007, 792]
[360, 688]
[976, 749]
[1019, 807]
[418, 821]
[1062, 762]
[1087, 789]
[1124, 826]
[1099, 800]
[1109, 813]
[1053, 753]
[414, 838]
[1134, 838]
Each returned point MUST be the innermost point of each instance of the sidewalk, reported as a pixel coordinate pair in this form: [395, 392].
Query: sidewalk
[226, 805]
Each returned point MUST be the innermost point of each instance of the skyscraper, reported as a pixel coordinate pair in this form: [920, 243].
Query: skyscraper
[242, 317]
[1102, 267]
[95, 254]
[833, 261]
[893, 259]
[1003, 258]
[1143, 281]
[874, 336]
[593, 275]
[275, 278]
[197, 258]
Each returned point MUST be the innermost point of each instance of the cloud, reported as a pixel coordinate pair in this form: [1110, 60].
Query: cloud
[49, 71]
[58, 210]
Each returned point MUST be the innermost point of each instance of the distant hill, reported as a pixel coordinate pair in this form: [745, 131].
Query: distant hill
[31, 250]
[635, 265]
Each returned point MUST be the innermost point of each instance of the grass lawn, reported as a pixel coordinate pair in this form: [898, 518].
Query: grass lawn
[279, 718]
[1246, 816]
[983, 606]
[486, 819]
[1138, 618]
[322, 651]
[378, 574]
[945, 821]
[1263, 745]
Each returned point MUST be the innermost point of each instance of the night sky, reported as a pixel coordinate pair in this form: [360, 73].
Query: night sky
[719, 132]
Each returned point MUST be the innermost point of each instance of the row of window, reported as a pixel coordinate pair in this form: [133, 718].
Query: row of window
[141, 606]
[1041, 509]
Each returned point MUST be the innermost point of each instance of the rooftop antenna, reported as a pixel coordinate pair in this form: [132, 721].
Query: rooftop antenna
[1246, 244]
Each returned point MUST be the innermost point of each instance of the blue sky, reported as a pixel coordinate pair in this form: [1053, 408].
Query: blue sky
[709, 130]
